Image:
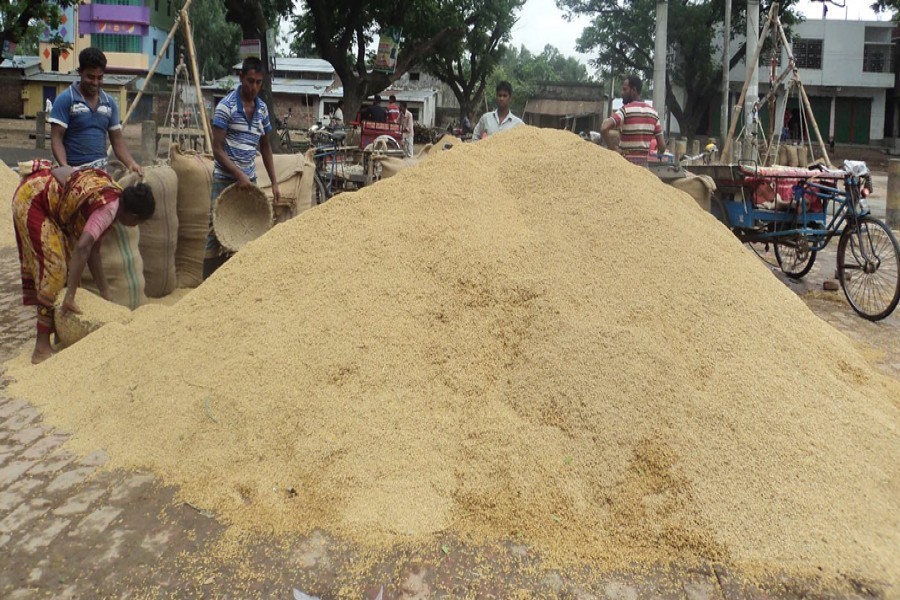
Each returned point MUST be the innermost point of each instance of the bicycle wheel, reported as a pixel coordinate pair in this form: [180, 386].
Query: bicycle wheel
[794, 262]
[319, 192]
[868, 265]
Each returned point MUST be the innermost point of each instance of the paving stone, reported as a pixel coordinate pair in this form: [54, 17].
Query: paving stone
[155, 543]
[96, 522]
[80, 502]
[702, 591]
[615, 590]
[67, 479]
[11, 407]
[6, 456]
[127, 488]
[17, 493]
[29, 435]
[43, 537]
[97, 458]
[21, 419]
[13, 471]
[25, 513]
[52, 465]
[117, 539]
[44, 447]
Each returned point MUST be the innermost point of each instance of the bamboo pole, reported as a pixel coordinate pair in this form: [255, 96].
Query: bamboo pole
[156, 62]
[751, 66]
[192, 54]
[812, 119]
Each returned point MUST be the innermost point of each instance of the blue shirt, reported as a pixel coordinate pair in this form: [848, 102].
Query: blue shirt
[242, 134]
[86, 128]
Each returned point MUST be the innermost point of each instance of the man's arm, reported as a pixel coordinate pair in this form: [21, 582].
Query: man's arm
[605, 128]
[660, 143]
[120, 148]
[57, 134]
[479, 129]
[265, 148]
[223, 159]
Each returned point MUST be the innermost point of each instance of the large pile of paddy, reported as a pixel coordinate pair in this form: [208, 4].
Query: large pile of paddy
[525, 337]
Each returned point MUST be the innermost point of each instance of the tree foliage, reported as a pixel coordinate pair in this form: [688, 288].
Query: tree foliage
[525, 70]
[341, 31]
[217, 41]
[464, 63]
[621, 36]
[19, 18]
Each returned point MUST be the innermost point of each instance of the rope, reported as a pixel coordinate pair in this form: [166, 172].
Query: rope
[178, 122]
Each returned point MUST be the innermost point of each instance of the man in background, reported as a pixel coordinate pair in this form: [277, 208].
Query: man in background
[241, 125]
[500, 119]
[84, 115]
[407, 129]
[376, 112]
[393, 110]
[638, 125]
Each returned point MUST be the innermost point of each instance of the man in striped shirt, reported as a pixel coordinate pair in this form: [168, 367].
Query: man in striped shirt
[638, 125]
[241, 125]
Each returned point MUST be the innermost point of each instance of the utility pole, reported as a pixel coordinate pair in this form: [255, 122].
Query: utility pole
[726, 71]
[659, 56]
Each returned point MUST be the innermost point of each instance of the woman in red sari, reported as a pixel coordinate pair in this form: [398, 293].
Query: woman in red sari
[60, 217]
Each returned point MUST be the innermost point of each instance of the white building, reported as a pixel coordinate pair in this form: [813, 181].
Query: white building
[847, 70]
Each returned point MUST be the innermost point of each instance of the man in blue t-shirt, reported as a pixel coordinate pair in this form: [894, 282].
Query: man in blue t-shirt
[84, 115]
[241, 125]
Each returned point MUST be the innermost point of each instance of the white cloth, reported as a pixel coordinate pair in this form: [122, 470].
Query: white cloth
[408, 146]
[490, 123]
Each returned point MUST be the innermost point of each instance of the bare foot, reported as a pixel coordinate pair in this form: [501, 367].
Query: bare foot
[41, 352]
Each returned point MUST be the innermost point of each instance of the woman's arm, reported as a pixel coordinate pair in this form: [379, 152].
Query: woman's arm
[76, 268]
[95, 264]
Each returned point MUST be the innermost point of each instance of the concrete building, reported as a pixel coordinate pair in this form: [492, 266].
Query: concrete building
[847, 69]
[13, 92]
[130, 33]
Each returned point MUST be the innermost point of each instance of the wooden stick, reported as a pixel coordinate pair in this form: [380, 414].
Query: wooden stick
[192, 54]
[155, 64]
[751, 66]
[812, 119]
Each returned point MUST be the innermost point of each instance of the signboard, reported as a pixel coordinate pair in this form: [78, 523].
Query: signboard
[388, 47]
[251, 48]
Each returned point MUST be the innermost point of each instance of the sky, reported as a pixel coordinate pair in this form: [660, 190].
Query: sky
[541, 23]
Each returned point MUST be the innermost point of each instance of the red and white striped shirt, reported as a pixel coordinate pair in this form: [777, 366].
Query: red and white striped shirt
[638, 124]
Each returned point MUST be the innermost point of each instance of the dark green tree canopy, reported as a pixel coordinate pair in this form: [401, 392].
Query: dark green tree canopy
[19, 17]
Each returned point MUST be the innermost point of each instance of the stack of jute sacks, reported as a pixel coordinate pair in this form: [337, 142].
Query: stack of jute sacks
[166, 253]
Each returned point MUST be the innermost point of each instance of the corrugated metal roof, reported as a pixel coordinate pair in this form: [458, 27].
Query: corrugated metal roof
[20, 62]
[562, 108]
[407, 95]
[108, 79]
[313, 65]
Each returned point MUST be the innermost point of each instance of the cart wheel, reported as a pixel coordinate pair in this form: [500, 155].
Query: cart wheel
[794, 263]
[320, 193]
[868, 266]
[717, 209]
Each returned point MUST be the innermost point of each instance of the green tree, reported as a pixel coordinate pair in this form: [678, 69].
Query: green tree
[19, 17]
[341, 31]
[466, 62]
[621, 36]
[216, 40]
[525, 71]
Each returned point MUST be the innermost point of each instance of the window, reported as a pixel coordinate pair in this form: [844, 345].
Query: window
[808, 53]
[54, 60]
[117, 43]
[154, 48]
[156, 5]
[167, 50]
[877, 58]
[413, 76]
[168, 8]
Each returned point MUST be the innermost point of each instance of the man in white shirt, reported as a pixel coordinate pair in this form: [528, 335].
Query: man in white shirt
[500, 119]
[407, 129]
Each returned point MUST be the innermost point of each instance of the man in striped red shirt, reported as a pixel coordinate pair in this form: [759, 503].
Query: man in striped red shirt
[638, 125]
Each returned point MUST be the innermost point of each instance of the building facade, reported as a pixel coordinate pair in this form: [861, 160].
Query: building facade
[847, 69]
[129, 32]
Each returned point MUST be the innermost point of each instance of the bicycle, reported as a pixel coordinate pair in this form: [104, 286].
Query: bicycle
[284, 132]
[327, 144]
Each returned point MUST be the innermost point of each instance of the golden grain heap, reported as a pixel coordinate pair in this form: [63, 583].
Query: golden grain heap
[522, 337]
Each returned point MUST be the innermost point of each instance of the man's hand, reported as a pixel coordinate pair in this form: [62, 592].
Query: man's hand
[136, 168]
[276, 200]
[244, 181]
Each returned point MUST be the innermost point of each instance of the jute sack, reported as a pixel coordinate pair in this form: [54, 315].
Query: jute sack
[782, 155]
[95, 313]
[159, 233]
[698, 187]
[802, 156]
[195, 175]
[792, 159]
[294, 174]
[121, 257]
